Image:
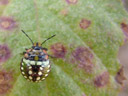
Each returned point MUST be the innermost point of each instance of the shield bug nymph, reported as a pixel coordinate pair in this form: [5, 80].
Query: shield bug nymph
[35, 65]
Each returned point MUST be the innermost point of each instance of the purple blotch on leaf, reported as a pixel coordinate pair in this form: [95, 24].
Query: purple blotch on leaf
[84, 23]
[124, 28]
[4, 2]
[5, 81]
[120, 76]
[83, 57]
[58, 50]
[5, 53]
[102, 79]
[7, 23]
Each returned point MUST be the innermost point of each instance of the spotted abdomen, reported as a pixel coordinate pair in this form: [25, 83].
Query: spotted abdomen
[35, 71]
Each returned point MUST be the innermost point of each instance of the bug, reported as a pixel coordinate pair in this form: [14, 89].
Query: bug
[35, 65]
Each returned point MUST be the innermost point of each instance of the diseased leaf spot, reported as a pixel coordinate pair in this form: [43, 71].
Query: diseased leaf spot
[4, 88]
[5, 81]
[58, 50]
[84, 23]
[102, 79]
[124, 28]
[7, 23]
[4, 2]
[71, 1]
[83, 57]
[5, 77]
[120, 76]
[5, 53]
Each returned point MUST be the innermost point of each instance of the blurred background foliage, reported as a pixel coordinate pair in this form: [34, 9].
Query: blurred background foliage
[89, 35]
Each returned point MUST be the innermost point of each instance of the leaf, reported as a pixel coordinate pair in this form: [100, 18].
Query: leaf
[88, 36]
[3, 4]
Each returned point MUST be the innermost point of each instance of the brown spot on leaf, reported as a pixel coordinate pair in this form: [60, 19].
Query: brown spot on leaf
[124, 28]
[4, 88]
[102, 79]
[58, 50]
[84, 23]
[5, 81]
[5, 53]
[5, 77]
[4, 2]
[83, 57]
[71, 1]
[120, 76]
[7, 23]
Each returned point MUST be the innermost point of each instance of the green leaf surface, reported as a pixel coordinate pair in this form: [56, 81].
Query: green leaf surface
[41, 19]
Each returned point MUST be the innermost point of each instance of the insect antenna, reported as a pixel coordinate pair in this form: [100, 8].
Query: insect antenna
[47, 39]
[27, 36]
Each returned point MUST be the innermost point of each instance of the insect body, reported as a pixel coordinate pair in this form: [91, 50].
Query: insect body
[35, 65]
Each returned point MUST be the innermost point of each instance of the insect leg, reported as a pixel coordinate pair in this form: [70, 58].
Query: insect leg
[45, 49]
[22, 53]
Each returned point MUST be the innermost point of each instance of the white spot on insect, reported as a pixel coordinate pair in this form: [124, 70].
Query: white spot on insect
[46, 75]
[23, 73]
[28, 64]
[42, 53]
[38, 78]
[46, 62]
[40, 73]
[30, 77]
[35, 51]
[48, 70]
[22, 63]
[48, 66]
[26, 61]
[30, 72]
[39, 63]
[30, 67]
[25, 76]
[32, 62]
[22, 68]
[43, 78]
[41, 68]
